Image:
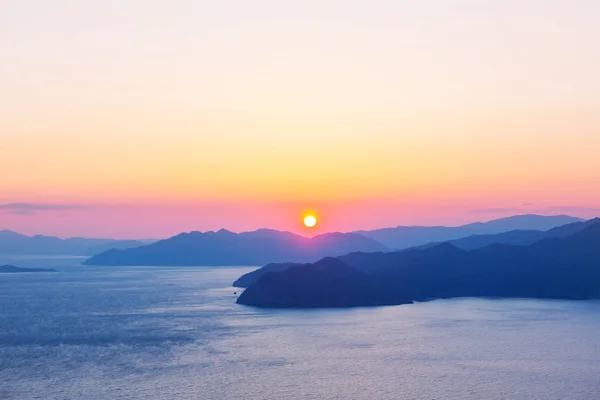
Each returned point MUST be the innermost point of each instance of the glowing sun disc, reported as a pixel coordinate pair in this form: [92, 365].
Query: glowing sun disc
[310, 221]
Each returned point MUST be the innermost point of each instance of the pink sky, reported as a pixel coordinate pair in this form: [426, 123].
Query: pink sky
[146, 118]
[160, 221]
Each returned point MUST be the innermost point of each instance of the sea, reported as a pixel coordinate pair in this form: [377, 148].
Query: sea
[177, 333]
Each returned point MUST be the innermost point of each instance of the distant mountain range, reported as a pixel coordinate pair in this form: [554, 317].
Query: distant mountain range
[270, 246]
[13, 243]
[518, 237]
[248, 248]
[565, 267]
[403, 237]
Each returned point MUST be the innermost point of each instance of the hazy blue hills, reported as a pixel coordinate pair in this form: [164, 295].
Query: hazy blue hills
[13, 243]
[403, 237]
[519, 238]
[270, 246]
[557, 268]
[11, 269]
[521, 222]
[248, 248]
[114, 244]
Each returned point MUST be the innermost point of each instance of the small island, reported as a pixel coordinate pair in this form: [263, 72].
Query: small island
[11, 269]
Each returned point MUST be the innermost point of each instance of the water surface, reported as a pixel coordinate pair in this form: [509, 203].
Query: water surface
[176, 333]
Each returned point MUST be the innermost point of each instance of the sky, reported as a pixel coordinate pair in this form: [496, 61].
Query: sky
[145, 118]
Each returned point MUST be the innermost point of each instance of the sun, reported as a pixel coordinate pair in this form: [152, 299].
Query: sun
[310, 221]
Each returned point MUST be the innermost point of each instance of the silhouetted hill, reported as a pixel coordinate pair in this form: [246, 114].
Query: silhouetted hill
[518, 238]
[571, 229]
[11, 269]
[247, 279]
[326, 283]
[16, 244]
[561, 268]
[228, 248]
[404, 237]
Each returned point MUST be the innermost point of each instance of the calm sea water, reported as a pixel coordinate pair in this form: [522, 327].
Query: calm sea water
[176, 333]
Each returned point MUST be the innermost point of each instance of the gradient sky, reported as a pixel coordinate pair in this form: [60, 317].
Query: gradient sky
[144, 118]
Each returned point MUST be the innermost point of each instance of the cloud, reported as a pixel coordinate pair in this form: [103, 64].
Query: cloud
[582, 209]
[31, 208]
[527, 208]
[445, 208]
[493, 210]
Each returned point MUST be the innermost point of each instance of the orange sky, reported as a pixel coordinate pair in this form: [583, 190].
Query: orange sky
[146, 118]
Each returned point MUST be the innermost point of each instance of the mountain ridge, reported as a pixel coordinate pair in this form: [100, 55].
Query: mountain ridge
[556, 267]
[516, 238]
[228, 248]
[403, 237]
[13, 243]
[224, 247]
[519, 237]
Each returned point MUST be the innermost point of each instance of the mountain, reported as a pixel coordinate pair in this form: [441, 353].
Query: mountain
[326, 283]
[11, 269]
[557, 267]
[518, 238]
[115, 244]
[521, 222]
[247, 279]
[16, 244]
[12, 243]
[403, 237]
[227, 248]
[571, 229]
